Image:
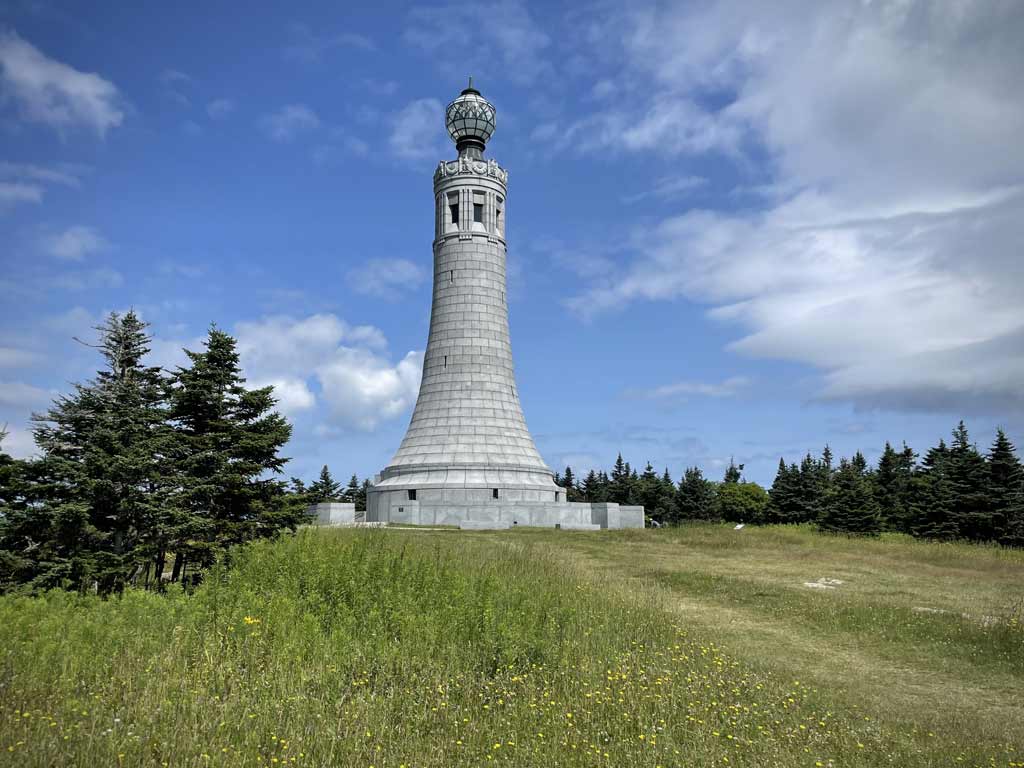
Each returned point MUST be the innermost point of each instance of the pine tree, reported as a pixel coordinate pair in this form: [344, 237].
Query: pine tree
[325, 488]
[595, 487]
[360, 502]
[23, 530]
[851, 507]
[104, 475]
[695, 497]
[733, 473]
[969, 478]
[621, 484]
[786, 503]
[572, 491]
[1006, 486]
[931, 497]
[351, 492]
[231, 438]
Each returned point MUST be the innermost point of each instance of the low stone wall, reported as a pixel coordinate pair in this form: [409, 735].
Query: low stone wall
[429, 509]
[333, 513]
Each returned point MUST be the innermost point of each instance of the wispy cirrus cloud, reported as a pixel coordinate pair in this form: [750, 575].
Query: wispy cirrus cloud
[886, 254]
[44, 90]
[417, 130]
[507, 39]
[289, 122]
[386, 278]
[682, 390]
[220, 109]
[307, 46]
[75, 243]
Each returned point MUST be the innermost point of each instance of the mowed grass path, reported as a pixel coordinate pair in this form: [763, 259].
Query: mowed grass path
[927, 637]
[698, 646]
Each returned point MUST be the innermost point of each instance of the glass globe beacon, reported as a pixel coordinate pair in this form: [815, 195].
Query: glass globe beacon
[470, 120]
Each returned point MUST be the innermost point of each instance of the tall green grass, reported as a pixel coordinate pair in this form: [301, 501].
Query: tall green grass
[390, 648]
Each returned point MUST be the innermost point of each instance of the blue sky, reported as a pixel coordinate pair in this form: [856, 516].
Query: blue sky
[733, 230]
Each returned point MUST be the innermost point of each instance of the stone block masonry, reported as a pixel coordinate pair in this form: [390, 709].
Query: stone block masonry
[467, 455]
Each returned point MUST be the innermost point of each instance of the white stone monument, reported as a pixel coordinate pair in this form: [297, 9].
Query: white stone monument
[468, 458]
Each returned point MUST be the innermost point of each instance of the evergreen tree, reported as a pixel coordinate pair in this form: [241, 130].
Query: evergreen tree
[851, 506]
[733, 473]
[231, 438]
[325, 488]
[351, 492]
[813, 485]
[595, 487]
[572, 491]
[23, 530]
[785, 504]
[1006, 482]
[360, 502]
[104, 477]
[695, 497]
[931, 497]
[621, 482]
[969, 479]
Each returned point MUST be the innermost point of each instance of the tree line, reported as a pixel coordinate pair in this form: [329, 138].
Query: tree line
[144, 475]
[954, 492]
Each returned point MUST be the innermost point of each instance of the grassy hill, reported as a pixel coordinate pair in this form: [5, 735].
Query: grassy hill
[698, 646]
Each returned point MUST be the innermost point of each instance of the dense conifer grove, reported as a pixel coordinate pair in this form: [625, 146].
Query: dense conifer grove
[145, 476]
[954, 492]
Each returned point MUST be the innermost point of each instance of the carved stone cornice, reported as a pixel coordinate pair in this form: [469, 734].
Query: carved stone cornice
[468, 166]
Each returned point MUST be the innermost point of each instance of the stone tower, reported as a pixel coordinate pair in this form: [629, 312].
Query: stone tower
[467, 455]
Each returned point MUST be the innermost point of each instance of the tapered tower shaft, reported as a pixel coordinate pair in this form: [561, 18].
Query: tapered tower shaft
[467, 437]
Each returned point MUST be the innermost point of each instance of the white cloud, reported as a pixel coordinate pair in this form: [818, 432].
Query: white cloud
[51, 92]
[363, 389]
[171, 76]
[219, 109]
[21, 395]
[12, 357]
[499, 39]
[307, 46]
[667, 188]
[65, 175]
[18, 442]
[358, 383]
[27, 183]
[20, 192]
[886, 252]
[683, 389]
[292, 394]
[386, 277]
[289, 122]
[75, 243]
[417, 130]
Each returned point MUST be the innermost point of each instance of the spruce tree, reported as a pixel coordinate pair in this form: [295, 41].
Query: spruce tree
[969, 478]
[594, 488]
[231, 438]
[1006, 485]
[733, 473]
[695, 497]
[23, 530]
[851, 507]
[931, 508]
[620, 485]
[351, 492]
[324, 488]
[105, 472]
[572, 491]
[786, 496]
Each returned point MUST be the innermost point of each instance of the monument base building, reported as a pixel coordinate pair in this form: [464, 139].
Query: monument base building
[468, 458]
